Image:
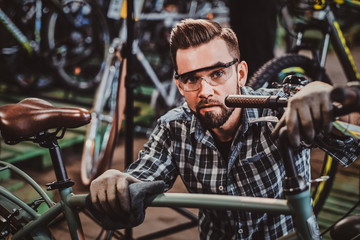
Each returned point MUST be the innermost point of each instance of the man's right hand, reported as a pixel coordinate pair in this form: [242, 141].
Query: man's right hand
[110, 192]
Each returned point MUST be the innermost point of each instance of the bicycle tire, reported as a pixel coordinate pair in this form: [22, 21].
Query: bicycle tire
[274, 71]
[107, 114]
[8, 228]
[322, 189]
[78, 54]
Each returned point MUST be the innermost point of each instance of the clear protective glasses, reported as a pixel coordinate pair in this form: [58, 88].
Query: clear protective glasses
[218, 74]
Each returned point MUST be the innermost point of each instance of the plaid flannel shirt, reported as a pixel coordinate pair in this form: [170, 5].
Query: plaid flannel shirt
[179, 145]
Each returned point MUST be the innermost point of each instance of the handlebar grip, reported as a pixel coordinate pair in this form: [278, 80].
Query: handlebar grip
[348, 97]
[254, 101]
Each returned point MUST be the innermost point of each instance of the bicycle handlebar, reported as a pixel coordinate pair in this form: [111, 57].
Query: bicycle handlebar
[347, 96]
[254, 101]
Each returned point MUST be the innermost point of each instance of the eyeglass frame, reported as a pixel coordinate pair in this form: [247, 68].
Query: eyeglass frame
[225, 65]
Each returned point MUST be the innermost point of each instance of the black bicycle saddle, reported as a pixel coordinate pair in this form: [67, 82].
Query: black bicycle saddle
[32, 116]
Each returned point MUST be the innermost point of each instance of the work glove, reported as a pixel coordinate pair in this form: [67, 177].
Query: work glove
[138, 191]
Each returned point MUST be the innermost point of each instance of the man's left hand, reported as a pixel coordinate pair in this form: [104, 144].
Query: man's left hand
[308, 112]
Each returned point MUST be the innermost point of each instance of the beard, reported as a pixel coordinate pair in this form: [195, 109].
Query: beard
[212, 120]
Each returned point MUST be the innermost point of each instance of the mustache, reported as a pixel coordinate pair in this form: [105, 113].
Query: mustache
[207, 102]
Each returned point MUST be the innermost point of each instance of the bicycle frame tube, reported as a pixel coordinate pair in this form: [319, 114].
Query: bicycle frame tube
[305, 220]
[16, 32]
[298, 205]
[42, 220]
[39, 222]
[352, 3]
[17, 201]
[339, 43]
[147, 67]
[71, 215]
[30, 181]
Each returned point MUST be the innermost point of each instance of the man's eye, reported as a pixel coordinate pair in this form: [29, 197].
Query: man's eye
[190, 80]
[217, 74]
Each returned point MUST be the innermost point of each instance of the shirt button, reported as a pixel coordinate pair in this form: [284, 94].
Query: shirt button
[240, 231]
[221, 188]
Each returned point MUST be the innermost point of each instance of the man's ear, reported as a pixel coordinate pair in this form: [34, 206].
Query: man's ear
[243, 73]
[177, 84]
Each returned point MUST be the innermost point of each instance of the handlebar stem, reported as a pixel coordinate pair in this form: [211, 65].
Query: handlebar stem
[293, 182]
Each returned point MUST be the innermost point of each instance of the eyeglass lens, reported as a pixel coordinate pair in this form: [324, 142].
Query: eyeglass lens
[214, 77]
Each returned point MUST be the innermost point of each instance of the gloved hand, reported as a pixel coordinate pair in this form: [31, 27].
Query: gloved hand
[110, 192]
[308, 112]
[135, 215]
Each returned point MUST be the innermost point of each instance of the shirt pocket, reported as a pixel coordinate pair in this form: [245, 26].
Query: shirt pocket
[264, 175]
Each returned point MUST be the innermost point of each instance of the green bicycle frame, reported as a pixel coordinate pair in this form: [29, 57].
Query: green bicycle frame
[298, 205]
[40, 220]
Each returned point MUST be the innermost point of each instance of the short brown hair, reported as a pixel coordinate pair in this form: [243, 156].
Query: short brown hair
[194, 32]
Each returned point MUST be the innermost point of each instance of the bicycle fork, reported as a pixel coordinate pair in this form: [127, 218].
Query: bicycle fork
[297, 193]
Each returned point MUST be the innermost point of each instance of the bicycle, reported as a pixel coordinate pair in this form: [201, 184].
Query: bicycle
[48, 40]
[39, 121]
[304, 21]
[21, 220]
[101, 133]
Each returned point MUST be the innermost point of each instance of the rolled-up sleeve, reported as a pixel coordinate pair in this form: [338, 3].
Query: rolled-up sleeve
[155, 160]
[345, 150]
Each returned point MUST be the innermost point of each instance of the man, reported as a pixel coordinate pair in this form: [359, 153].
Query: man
[221, 150]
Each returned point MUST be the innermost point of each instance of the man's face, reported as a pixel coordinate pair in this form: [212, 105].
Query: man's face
[208, 101]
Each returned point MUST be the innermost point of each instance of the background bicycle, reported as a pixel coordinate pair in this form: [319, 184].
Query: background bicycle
[47, 41]
[311, 27]
[153, 70]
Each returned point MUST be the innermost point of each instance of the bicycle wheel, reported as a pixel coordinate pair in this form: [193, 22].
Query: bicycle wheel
[19, 218]
[274, 71]
[78, 52]
[107, 115]
[27, 71]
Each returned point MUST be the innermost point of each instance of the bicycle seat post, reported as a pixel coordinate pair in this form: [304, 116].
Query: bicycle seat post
[62, 180]
[57, 161]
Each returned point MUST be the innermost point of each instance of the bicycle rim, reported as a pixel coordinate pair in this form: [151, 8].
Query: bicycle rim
[78, 53]
[104, 127]
[275, 71]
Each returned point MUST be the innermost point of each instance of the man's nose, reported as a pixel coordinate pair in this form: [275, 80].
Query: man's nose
[205, 88]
